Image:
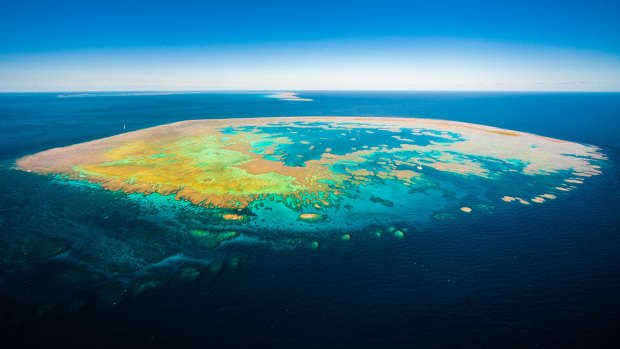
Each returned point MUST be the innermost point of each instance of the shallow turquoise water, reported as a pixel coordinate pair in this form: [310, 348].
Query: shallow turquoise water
[547, 276]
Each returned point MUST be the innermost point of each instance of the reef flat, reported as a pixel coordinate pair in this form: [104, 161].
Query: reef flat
[186, 200]
[270, 172]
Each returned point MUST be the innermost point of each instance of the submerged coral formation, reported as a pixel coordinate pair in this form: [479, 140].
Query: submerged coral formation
[214, 187]
[309, 162]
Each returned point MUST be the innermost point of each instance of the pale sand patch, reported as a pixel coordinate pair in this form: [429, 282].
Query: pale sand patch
[538, 200]
[562, 188]
[522, 201]
[508, 198]
[466, 209]
[573, 180]
[549, 196]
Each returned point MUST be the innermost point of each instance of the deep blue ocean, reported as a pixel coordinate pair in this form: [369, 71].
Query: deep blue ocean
[544, 278]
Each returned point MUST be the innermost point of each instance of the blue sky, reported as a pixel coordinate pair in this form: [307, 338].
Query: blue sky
[297, 45]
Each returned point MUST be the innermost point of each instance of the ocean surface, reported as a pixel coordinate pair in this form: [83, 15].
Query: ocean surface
[543, 277]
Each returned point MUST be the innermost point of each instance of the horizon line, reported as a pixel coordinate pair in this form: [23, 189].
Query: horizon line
[303, 90]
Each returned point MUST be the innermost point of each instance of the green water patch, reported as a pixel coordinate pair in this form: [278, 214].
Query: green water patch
[211, 239]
